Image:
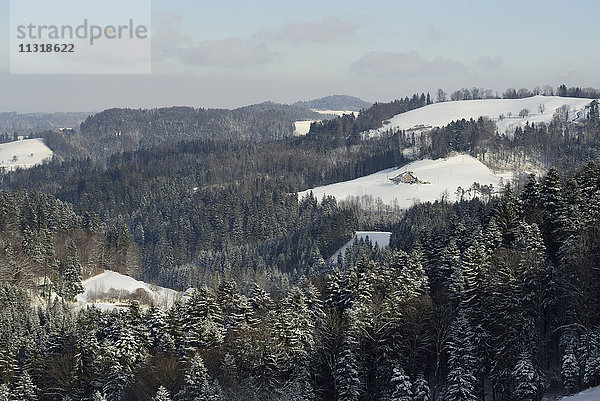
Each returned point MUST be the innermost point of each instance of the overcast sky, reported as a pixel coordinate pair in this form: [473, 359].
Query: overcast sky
[231, 53]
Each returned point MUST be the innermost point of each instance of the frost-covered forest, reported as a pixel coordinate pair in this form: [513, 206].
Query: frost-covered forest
[490, 298]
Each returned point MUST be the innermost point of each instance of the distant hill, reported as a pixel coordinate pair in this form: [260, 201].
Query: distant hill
[33, 123]
[335, 102]
[117, 130]
[294, 112]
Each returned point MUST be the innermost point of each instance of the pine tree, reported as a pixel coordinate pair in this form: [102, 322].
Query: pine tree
[401, 386]
[527, 379]
[412, 280]
[461, 362]
[114, 387]
[202, 321]
[591, 371]
[552, 200]
[71, 273]
[162, 395]
[24, 389]
[347, 375]
[531, 200]
[421, 390]
[570, 365]
[158, 334]
[197, 384]
[98, 396]
[4, 392]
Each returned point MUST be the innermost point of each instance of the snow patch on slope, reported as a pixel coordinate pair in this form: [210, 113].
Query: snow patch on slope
[100, 291]
[441, 114]
[23, 154]
[302, 127]
[338, 113]
[443, 175]
[592, 394]
[382, 238]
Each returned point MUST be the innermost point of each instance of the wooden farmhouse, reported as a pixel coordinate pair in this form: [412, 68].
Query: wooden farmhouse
[407, 177]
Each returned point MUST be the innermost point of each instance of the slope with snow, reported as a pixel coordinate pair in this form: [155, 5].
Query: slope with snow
[592, 394]
[444, 175]
[441, 114]
[23, 154]
[108, 290]
[338, 113]
[302, 127]
[381, 238]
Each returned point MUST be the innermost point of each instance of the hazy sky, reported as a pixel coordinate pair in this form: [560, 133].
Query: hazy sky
[230, 53]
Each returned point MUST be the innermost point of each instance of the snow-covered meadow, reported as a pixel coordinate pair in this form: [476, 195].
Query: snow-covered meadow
[23, 154]
[110, 289]
[441, 114]
[444, 175]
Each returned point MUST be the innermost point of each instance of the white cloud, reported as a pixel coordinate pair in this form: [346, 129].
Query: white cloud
[391, 64]
[230, 52]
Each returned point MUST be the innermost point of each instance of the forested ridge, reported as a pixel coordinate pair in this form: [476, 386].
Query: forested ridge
[491, 298]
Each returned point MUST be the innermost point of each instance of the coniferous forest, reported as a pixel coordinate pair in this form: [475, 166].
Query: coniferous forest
[494, 297]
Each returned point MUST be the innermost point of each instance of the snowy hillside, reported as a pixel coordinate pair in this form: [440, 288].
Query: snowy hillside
[111, 289]
[592, 394]
[443, 175]
[441, 114]
[382, 238]
[23, 154]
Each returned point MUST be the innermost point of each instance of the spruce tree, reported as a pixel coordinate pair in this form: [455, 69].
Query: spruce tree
[461, 362]
[421, 390]
[197, 384]
[347, 372]
[71, 273]
[570, 366]
[24, 389]
[98, 396]
[401, 386]
[4, 392]
[162, 395]
[527, 379]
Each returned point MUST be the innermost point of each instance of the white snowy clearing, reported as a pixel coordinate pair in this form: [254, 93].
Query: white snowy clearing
[110, 290]
[23, 154]
[441, 114]
[336, 112]
[443, 175]
[302, 127]
[592, 394]
[382, 238]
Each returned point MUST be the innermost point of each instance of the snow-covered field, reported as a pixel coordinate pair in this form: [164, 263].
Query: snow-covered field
[592, 394]
[107, 290]
[23, 154]
[336, 112]
[302, 127]
[443, 175]
[382, 238]
[441, 114]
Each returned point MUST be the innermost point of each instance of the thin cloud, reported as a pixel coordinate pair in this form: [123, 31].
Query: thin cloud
[168, 37]
[391, 64]
[171, 42]
[230, 52]
[327, 30]
[489, 63]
